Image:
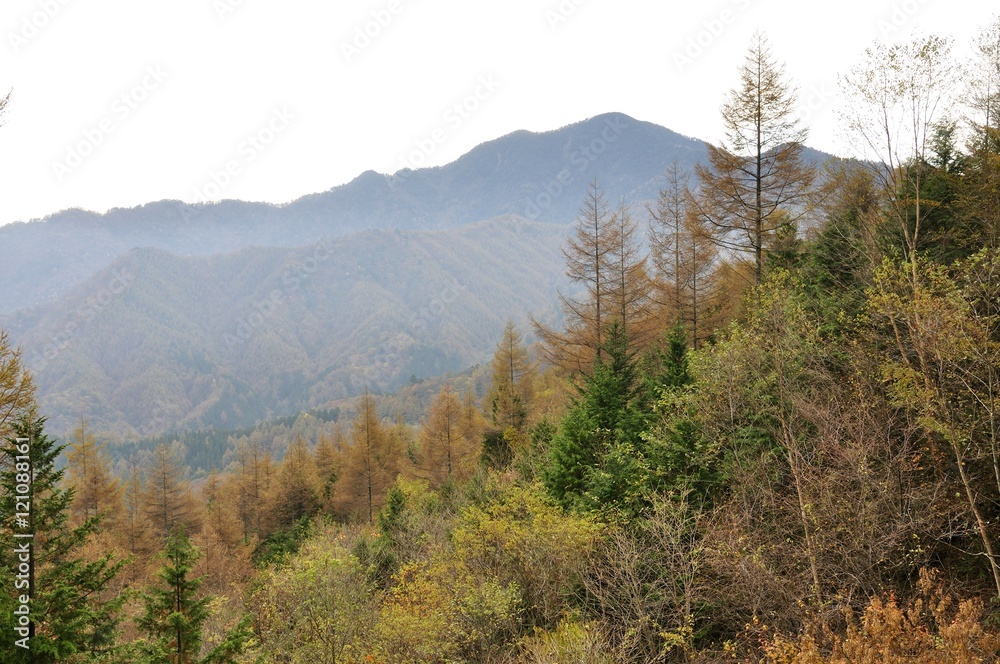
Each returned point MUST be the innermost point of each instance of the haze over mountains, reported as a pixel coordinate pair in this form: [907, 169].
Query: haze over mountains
[170, 316]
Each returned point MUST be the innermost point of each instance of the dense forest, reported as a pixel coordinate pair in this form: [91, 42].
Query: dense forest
[768, 430]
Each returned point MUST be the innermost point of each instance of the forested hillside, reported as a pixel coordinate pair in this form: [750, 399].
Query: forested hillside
[163, 342]
[740, 442]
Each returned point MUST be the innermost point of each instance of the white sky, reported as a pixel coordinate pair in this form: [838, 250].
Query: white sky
[158, 96]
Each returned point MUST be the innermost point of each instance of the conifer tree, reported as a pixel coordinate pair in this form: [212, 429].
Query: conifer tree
[17, 390]
[757, 177]
[174, 617]
[372, 463]
[295, 492]
[588, 256]
[512, 381]
[684, 260]
[167, 496]
[630, 286]
[96, 490]
[607, 417]
[70, 612]
[447, 446]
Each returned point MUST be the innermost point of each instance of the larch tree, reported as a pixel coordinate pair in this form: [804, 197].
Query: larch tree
[447, 451]
[588, 253]
[17, 391]
[133, 525]
[254, 469]
[330, 453]
[630, 285]
[295, 489]
[96, 489]
[372, 463]
[757, 179]
[512, 381]
[684, 260]
[666, 221]
[167, 499]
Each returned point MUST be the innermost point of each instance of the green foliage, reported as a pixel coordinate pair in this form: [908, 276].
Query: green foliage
[174, 616]
[599, 433]
[602, 458]
[519, 538]
[571, 642]
[74, 613]
[283, 542]
[315, 607]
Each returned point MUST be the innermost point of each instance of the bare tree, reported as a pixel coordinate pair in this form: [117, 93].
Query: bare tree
[756, 180]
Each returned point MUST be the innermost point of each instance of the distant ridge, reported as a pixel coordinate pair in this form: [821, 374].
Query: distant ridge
[540, 176]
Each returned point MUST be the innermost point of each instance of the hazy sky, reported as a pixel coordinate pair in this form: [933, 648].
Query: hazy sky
[121, 102]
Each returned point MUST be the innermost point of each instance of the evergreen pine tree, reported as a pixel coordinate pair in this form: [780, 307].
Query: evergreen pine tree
[174, 615]
[71, 614]
[608, 414]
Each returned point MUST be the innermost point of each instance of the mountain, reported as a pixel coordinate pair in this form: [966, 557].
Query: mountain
[539, 176]
[158, 342]
[172, 317]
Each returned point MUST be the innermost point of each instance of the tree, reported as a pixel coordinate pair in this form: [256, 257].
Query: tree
[372, 463]
[96, 490]
[447, 449]
[979, 199]
[683, 255]
[757, 176]
[895, 100]
[600, 434]
[295, 489]
[512, 381]
[945, 368]
[134, 525]
[588, 254]
[254, 469]
[630, 287]
[665, 230]
[70, 610]
[329, 461]
[317, 608]
[174, 616]
[17, 390]
[167, 497]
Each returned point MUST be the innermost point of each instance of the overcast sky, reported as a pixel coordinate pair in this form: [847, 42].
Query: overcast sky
[121, 102]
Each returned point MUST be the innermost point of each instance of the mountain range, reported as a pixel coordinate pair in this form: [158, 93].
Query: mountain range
[171, 317]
